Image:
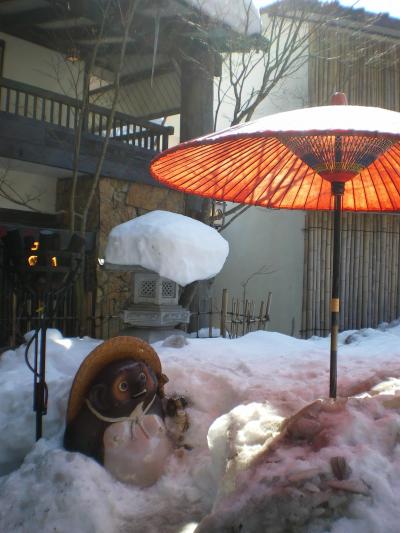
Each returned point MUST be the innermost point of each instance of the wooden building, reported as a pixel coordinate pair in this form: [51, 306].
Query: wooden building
[74, 73]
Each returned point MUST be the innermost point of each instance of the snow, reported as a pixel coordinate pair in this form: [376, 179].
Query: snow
[241, 15]
[335, 118]
[175, 246]
[249, 464]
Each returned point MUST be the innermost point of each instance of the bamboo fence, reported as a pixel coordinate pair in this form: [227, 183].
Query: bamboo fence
[363, 65]
[214, 317]
[370, 271]
[230, 317]
[367, 68]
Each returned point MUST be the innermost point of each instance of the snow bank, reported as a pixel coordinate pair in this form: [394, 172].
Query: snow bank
[253, 383]
[175, 246]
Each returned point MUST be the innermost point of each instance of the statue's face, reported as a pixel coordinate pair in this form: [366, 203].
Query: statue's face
[121, 386]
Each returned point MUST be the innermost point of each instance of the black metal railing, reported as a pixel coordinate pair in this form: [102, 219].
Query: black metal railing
[59, 110]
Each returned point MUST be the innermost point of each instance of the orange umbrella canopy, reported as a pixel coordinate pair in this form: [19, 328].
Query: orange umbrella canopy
[288, 160]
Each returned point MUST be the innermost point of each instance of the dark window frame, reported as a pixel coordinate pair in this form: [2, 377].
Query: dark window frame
[2, 49]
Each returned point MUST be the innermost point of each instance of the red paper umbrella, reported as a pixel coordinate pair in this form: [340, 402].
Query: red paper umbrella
[333, 157]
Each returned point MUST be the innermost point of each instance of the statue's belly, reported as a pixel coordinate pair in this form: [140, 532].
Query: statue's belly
[137, 454]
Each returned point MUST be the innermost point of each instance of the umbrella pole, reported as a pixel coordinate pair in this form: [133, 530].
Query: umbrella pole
[337, 191]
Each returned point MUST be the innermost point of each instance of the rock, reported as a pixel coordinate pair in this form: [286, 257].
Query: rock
[340, 468]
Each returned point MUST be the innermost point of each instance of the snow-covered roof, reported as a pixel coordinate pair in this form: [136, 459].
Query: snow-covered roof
[241, 15]
[175, 246]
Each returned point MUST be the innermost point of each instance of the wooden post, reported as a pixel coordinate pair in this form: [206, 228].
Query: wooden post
[224, 311]
[210, 318]
[14, 320]
[261, 315]
[268, 308]
[245, 312]
[197, 96]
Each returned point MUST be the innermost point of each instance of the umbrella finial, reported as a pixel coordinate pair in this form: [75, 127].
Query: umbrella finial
[339, 99]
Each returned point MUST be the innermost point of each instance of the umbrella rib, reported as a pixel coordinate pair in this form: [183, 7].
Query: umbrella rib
[365, 194]
[196, 154]
[295, 175]
[194, 173]
[375, 189]
[270, 184]
[386, 189]
[188, 155]
[282, 149]
[387, 181]
[309, 190]
[238, 163]
[292, 161]
[298, 190]
[386, 157]
[351, 184]
[320, 189]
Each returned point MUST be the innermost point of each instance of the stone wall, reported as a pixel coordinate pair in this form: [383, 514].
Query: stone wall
[120, 201]
[116, 201]
[63, 193]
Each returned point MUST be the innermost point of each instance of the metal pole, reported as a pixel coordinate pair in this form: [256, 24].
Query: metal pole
[41, 377]
[337, 191]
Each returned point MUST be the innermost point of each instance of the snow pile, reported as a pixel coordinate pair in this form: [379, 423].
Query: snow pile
[17, 421]
[261, 466]
[175, 246]
[329, 464]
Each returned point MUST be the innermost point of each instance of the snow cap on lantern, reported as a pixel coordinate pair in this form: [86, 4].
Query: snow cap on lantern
[175, 246]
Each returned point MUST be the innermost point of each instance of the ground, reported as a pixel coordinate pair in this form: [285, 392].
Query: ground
[331, 469]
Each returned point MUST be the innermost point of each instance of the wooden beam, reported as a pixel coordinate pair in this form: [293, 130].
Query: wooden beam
[33, 17]
[39, 142]
[130, 79]
[28, 218]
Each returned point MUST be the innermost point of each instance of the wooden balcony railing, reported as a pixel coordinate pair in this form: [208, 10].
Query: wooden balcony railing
[39, 104]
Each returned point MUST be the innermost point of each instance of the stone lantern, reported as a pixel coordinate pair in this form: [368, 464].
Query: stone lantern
[155, 311]
[162, 249]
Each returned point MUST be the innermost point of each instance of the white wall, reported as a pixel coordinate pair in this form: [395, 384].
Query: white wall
[274, 240]
[268, 237]
[38, 66]
[34, 185]
[41, 67]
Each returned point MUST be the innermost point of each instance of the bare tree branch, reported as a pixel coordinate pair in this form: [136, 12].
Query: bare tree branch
[243, 210]
[81, 121]
[126, 20]
[10, 193]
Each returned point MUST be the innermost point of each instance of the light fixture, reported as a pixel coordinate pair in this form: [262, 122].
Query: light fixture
[72, 55]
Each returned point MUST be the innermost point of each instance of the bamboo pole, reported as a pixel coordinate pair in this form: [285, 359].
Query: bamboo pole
[224, 311]
[210, 308]
[365, 285]
[304, 324]
[245, 311]
[268, 307]
[260, 316]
